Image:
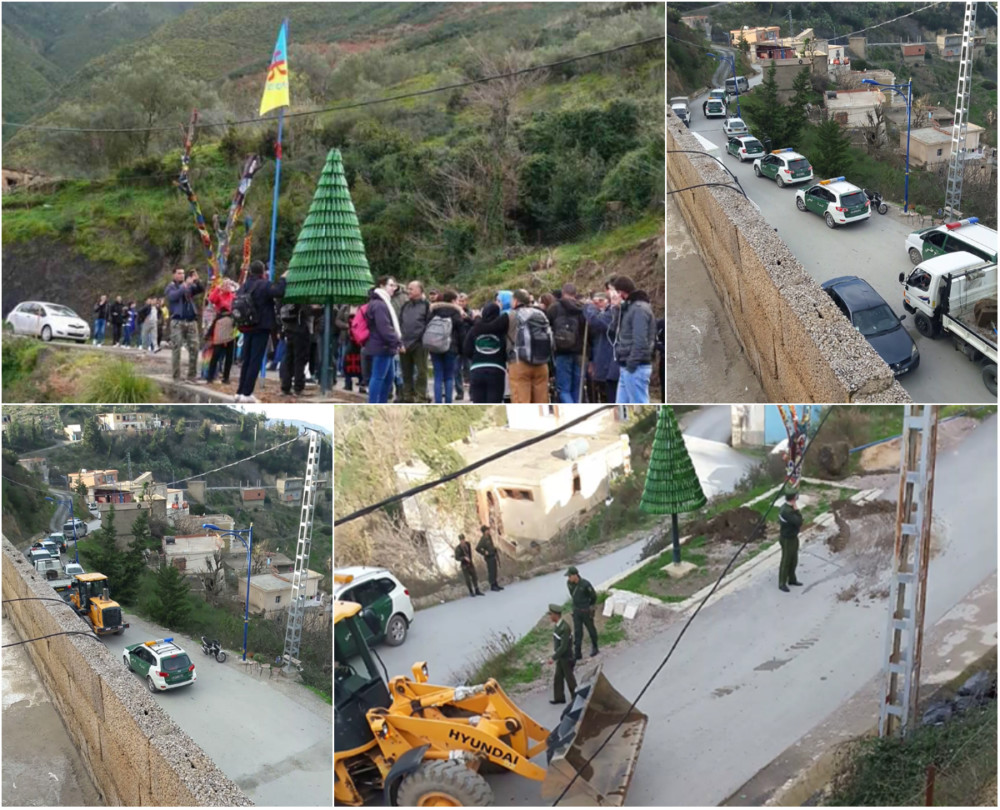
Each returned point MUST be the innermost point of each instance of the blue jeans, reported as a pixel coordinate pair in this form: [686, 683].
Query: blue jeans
[254, 349]
[444, 375]
[633, 388]
[568, 377]
[380, 384]
[99, 324]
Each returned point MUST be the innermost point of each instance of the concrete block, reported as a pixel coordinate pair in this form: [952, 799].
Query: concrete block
[609, 606]
[631, 610]
[678, 570]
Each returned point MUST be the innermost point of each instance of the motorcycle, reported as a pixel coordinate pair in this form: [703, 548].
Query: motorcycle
[876, 200]
[213, 648]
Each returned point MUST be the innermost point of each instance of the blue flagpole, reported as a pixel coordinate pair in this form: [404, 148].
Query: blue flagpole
[274, 204]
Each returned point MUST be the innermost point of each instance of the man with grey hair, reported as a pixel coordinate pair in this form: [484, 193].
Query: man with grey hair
[413, 318]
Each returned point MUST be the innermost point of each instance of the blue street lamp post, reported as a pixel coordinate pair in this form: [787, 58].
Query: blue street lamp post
[76, 546]
[898, 88]
[248, 545]
[728, 57]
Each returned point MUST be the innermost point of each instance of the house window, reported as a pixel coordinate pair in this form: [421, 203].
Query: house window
[576, 483]
[277, 599]
[517, 494]
[939, 152]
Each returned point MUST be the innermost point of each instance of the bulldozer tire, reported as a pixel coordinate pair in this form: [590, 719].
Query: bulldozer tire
[444, 783]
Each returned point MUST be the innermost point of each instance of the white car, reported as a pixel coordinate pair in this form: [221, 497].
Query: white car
[735, 128]
[379, 590]
[72, 569]
[48, 321]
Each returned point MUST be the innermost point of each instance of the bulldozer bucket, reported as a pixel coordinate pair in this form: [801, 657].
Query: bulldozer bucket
[585, 724]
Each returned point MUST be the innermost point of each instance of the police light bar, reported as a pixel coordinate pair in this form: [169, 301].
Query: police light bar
[831, 180]
[970, 221]
[779, 151]
[159, 641]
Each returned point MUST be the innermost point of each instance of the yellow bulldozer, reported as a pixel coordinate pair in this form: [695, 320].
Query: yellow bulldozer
[410, 743]
[90, 598]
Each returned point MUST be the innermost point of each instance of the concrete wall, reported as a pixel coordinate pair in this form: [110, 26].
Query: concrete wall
[135, 753]
[800, 346]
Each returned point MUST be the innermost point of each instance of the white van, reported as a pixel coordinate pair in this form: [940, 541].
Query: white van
[739, 82]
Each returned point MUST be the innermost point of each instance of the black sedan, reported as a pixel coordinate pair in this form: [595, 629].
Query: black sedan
[875, 320]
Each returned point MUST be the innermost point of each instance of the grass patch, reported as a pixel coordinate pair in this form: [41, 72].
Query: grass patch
[118, 381]
[20, 358]
[638, 580]
[613, 631]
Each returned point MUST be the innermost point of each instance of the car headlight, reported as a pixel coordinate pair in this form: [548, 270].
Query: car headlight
[913, 351]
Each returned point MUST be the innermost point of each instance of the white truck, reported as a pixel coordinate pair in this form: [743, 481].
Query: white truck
[679, 104]
[956, 293]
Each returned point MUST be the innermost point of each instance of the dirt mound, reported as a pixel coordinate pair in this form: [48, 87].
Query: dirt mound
[732, 526]
[856, 528]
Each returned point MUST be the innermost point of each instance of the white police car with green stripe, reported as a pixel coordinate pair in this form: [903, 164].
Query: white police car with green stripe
[836, 200]
[784, 166]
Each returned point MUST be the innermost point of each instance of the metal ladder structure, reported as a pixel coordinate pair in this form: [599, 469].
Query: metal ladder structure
[297, 609]
[960, 129]
[908, 594]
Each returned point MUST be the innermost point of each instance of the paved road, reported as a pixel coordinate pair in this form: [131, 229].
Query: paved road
[760, 669]
[274, 740]
[873, 250]
[449, 636]
[713, 422]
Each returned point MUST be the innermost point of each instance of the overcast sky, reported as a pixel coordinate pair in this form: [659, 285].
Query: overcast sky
[321, 415]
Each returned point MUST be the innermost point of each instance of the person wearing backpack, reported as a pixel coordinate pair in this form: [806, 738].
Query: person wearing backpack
[443, 339]
[634, 342]
[253, 311]
[222, 334]
[529, 349]
[568, 326]
[384, 340]
[485, 348]
[180, 295]
[413, 318]
[295, 331]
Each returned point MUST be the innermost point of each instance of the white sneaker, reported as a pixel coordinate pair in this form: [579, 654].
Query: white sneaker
[250, 399]
[238, 398]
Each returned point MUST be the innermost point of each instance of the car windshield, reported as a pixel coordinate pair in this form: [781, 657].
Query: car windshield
[798, 163]
[752, 145]
[876, 320]
[176, 663]
[853, 199]
[715, 104]
[61, 311]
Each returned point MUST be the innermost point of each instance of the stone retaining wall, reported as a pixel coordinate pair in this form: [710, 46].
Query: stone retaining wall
[800, 346]
[137, 755]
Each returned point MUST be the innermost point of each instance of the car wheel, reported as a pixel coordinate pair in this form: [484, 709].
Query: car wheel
[46, 333]
[990, 377]
[756, 171]
[800, 203]
[924, 325]
[395, 631]
[128, 664]
[915, 256]
[149, 683]
[829, 221]
[779, 181]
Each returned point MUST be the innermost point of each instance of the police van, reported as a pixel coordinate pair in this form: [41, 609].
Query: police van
[965, 235]
[740, 82]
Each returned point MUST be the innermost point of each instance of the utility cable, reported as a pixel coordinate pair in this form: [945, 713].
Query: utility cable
[367, 510]
[53, 635]
[356, 104]
[697, 610]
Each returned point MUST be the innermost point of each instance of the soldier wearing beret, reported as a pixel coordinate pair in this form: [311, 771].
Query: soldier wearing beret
[584, 600]
[562, 655]
[789, 522]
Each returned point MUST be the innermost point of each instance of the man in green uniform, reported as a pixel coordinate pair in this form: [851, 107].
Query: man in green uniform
[562, 654]
[789, 521]
[584, 600]
[463, 553]
[489, 551]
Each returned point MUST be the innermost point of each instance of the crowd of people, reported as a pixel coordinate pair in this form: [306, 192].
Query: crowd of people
[562, 347]
[246, 324]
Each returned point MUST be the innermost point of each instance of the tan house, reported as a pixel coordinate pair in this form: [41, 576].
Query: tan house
[92, 479]
[931, 146]
[252, 494]
[913, 54]
[787, 69]
[272, 593]
[74, 433]
[138, 421]
[126, 513]
[950, 46]
[850, 108]
[754, 36]
[190, 553]
[290, 490]
[38, 465]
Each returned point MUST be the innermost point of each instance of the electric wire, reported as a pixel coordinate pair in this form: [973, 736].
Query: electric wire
[691, 618]
[53, 635]
[351, 105]
[367, 510]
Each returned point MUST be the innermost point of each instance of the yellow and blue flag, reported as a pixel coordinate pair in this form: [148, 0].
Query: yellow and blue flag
[276, 88]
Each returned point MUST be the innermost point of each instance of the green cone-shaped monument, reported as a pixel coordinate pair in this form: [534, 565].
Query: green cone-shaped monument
[328, 265]
[672, 485]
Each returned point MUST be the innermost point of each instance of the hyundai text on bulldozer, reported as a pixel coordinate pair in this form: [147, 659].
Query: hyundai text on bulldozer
[407, 742]
[90, 598]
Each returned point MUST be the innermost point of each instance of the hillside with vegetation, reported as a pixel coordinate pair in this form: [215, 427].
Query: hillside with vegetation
[531, 181]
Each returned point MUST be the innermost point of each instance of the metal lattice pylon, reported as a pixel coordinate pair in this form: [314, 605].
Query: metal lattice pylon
[959, 130]
[297, 609]
[904, 639]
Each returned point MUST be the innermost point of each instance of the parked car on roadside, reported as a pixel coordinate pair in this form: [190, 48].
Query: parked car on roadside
[869, 313]
[836, 200]
[59, 539]
[966, 235]
[734, 127]
[714, 108]
[784, 166]
[72, 569]
[78, 525]
[745, 147]
[162, 663]
[679, 104]
[378, 590]
[48, 321]
[49, 545]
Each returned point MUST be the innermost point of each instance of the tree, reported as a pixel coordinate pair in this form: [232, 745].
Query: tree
[169, 603]
[795, 113]
[214, 578]
[92, 438]
[832, 157]
[81, 489]
[873, 131]
[672, 485]
[205, 430]
[104, 554]
[133, 562]
[179, 426]
[763, 111]
[743, 45]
